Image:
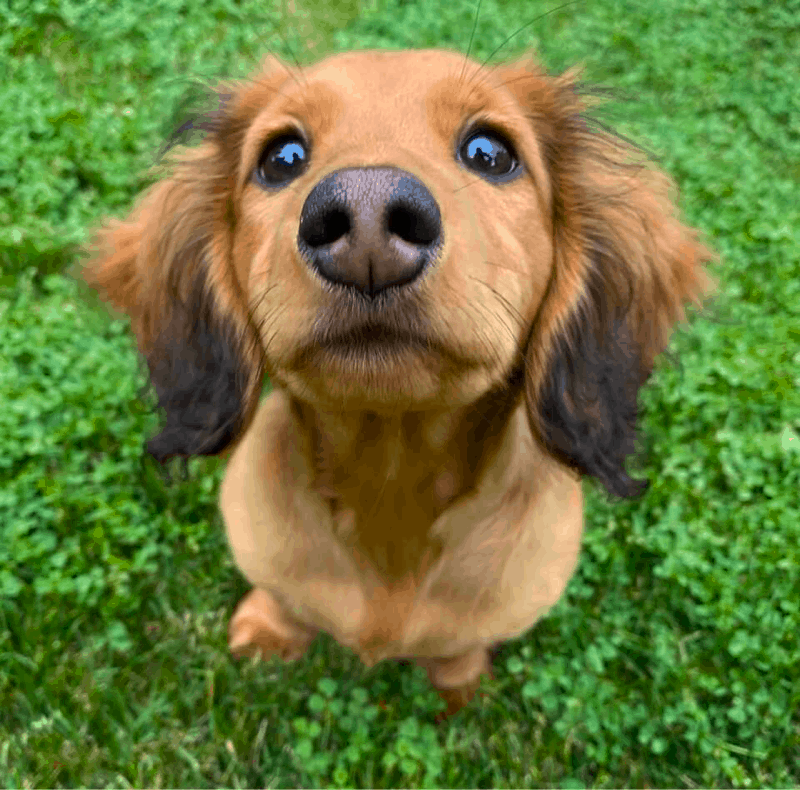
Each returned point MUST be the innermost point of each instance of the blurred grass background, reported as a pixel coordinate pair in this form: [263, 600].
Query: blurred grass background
[673, 659]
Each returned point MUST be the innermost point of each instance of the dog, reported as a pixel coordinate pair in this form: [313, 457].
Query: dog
[456, 284]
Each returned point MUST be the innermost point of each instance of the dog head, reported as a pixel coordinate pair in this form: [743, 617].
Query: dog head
[402, 231]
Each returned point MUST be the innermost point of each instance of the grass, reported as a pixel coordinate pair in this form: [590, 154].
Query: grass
[673, 659]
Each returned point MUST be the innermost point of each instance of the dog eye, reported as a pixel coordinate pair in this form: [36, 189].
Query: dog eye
[283, 159]
[489, 155]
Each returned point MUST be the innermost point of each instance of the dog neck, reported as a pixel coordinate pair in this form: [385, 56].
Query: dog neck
[387, 478]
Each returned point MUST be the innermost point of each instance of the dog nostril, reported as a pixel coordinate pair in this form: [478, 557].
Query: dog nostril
[412, 226]
[327, 228]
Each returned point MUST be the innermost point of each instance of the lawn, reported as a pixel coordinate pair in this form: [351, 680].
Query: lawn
[673, 659]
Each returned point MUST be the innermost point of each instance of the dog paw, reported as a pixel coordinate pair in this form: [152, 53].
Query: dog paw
[457, 698]
[259, 627]
[457, 679]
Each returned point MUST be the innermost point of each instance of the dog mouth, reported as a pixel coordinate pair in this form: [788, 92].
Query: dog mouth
[383, 331]
[371, 339]
[371, 348]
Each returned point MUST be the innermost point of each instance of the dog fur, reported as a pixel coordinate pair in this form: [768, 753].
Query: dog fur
[456, 285]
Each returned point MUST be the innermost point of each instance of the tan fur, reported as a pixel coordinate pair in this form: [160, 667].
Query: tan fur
[411, 502]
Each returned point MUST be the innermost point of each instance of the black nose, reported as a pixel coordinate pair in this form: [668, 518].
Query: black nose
[370, 228]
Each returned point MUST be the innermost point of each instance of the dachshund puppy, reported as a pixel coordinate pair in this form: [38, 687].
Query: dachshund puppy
[456, 286]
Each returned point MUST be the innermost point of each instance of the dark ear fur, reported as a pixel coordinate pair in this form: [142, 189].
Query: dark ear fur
[588, 399]
[197, 370]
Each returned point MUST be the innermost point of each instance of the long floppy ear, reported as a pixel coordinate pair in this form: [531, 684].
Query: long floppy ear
[624, 268]
[167, 266]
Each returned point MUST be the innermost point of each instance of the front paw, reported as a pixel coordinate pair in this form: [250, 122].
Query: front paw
[457, 679]
[259, 627]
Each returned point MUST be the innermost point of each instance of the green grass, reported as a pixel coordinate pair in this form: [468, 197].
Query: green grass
[673, 659]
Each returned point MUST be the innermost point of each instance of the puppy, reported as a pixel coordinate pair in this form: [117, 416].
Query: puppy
[456, 287]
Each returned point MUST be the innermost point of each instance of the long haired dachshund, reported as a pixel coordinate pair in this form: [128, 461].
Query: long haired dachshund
[456, 285]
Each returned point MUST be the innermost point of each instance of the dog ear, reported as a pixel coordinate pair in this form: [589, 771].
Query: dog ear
[624, 268]
[167, 267]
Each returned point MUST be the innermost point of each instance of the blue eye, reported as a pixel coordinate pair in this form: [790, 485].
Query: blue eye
[283, 160]
[489, 155]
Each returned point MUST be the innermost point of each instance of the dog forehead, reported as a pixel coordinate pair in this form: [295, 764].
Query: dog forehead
[397, 71]
[371, 84]
[397, 93]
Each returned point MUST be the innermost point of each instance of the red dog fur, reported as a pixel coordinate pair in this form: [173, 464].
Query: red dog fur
[456, 287]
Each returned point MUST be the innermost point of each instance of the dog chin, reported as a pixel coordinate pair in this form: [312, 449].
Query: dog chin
[373, 374]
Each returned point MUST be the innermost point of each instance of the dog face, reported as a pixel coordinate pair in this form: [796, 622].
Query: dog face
[405, 231]
[377, 276]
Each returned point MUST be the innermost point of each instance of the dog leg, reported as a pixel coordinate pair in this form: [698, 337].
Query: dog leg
[457, 679]
[259, 626]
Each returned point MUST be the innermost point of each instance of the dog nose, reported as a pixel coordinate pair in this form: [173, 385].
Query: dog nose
[370, 228]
